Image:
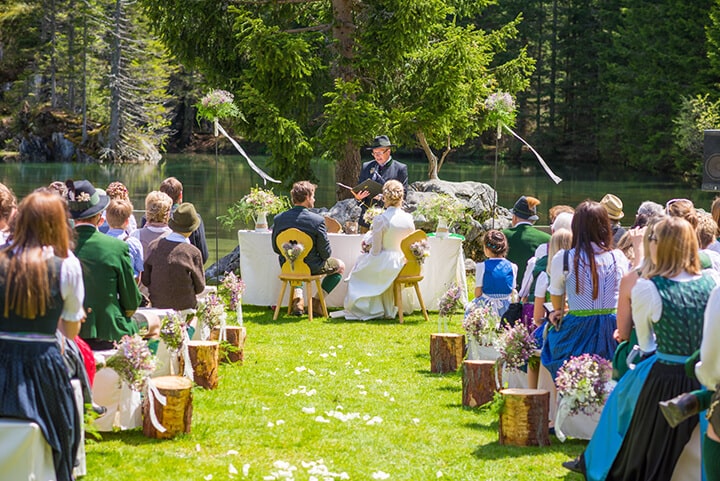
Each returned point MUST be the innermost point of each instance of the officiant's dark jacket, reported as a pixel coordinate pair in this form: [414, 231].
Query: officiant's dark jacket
[111, 291]
[310, 223]
[391, 170]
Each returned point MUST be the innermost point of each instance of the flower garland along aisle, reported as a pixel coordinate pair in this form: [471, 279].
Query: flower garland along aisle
[232, 289]
[481, 323]
[515, 346]
[211, 314]
[232, 336]
[448, 305]
[134, 363]
[583, 385]
[174, 333]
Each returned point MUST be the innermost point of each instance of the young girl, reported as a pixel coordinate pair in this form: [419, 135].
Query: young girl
[495, 277]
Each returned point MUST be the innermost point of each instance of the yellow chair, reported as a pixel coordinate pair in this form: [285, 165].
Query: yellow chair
[297, 273]
[332, 226]
[410, 274]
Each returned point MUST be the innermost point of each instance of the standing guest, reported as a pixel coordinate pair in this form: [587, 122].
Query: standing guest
[707, 235]
[118, 191]
[8, 207]
[614, 207]
[157, 211]
[588, 275]
[174, 269]
[632, 441]
[523, 238]
[174, 188]
[41, 283]
[382, 169]
[370, 293]
[318, 259]
[111, 292]
[708, 373]
[117, 216]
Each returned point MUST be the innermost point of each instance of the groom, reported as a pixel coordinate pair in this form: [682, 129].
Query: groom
[318, 259]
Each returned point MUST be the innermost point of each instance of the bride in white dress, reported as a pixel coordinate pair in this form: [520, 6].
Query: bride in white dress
[370, 293]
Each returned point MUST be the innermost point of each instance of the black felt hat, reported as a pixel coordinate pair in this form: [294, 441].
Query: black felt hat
[379, 142]
[84, 200]
[523, 210]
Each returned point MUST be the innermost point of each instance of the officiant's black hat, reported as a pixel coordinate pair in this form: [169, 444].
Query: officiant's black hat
[523, 210]
[84, 200]
[380, 141]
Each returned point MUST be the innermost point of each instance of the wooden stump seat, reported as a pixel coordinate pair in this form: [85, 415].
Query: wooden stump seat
[446, 352]
[236, 335]
[524, 417]
[204, 360]
[176, 415]
[479, 384]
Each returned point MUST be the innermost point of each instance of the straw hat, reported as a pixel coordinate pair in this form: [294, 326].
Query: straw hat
[614, 206]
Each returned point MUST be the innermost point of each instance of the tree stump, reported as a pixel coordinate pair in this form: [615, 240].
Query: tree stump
[234, 349]
[524, 417]
[176, 415]
[204, 360]
[479, 384]
[446, 352]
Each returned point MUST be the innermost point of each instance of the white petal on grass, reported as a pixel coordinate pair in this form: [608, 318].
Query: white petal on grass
[360, 386]
[340, 346]
[197, 448]
[269, 478]
[232, 469]
[231, 452]
[265, 408]
[311, 372]
[362, 393]
[246, 469]
[308, 410]
[309, 353]
[300, 369]
[311, 392]
[321, 419]
[279, 422]
[270, 424]
[386, 394]
[208, 477]
[324, 355]
[375, 420]
[439, 474]
[357, 371]
[380, 475]
[366, 370]
[392, 399]
[332, 373]
[333, 354]
[416, 421]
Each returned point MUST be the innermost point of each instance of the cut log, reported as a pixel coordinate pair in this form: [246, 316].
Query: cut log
[204, 360]
[176, 415]
[524, 417]
[479, 384]
[234, 349]
[446, 352]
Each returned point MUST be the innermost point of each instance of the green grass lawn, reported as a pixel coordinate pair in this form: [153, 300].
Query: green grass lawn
[377, 409]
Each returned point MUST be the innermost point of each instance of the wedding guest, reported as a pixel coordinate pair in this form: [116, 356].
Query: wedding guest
[319, 258]
[588, 276]
[174, 188]
[708, 373]
[370, 284]
[631, 440]
[111, 292]
[523, 238]
[157, 213]
[173, 271]
[117, 217]
[495, 278]
[707, 235]
[8, 207]
[41, 283]
[118, 191]
[614, 207]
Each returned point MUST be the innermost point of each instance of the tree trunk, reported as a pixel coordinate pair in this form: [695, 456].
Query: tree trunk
[71, 57]
[204, 360]
[116, 58]
[432, 158]
[478, 382]
[524, 417]
[176, 415]
[234, 350]
[446, 352]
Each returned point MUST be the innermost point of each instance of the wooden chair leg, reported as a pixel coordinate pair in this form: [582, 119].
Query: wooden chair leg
[422, 303]
[321, 297]
[290, 297]
[397, 287]
[279, 301]
[308, 295]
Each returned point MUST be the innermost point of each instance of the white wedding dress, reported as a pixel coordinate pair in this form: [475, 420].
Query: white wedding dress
[370, 293]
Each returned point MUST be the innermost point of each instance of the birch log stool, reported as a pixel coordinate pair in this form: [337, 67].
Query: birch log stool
[176, 415]
[524, 417]
[446, 352]
[479, 384]
[204, 360]
[234, 350]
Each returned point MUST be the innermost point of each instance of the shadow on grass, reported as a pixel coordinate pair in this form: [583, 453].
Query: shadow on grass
[132, 437]
[495, 450]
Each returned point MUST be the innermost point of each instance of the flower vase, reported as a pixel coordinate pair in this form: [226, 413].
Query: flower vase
[442, 230]
[473, 349]
[261, 223]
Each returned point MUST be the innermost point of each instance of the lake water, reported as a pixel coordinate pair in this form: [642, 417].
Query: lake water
[198, 175]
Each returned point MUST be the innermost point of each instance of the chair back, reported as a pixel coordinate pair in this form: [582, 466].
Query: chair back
[412, 266]
[332, 226]
[295, 236]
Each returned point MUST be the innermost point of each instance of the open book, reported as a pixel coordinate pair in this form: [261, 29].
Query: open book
[370, 185]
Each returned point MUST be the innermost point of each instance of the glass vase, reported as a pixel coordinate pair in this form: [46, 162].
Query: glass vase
[261, 223]
[442, 230]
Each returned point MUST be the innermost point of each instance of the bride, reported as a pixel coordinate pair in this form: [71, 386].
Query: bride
[370, 293]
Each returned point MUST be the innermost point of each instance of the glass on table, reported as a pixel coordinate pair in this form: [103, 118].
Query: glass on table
[351, 227]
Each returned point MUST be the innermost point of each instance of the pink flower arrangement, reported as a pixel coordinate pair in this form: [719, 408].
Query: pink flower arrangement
[515, 345]
[481, 322]
[450, 302]
[421, 250]
[133, 361]
[585, 382]
[233, 287]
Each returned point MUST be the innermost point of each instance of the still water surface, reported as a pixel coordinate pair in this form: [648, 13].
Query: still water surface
[234, 179]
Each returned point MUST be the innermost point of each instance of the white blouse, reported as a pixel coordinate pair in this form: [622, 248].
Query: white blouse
[708, 369]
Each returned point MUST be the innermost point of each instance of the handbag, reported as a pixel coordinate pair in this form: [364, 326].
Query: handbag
[512, 315]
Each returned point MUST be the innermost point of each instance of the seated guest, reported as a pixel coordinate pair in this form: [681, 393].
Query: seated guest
[495, 278]
[318, 259]
[173, 271]
[41, 282]
[157, 212]
[111, 292]
[370, 292]
[117, 216]
[8, 207]
[118, 191]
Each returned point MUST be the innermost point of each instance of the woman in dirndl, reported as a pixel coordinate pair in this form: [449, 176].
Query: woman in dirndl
[588, 275]
[40, 284]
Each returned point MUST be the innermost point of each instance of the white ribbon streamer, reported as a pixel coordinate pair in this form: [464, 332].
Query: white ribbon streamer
[185, 353]
[548, 171]
[153, 394]
[239, 311]
[252, 165]
[223, 328]
[563, 411]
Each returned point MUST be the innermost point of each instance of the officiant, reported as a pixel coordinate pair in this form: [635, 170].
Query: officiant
[381, 169]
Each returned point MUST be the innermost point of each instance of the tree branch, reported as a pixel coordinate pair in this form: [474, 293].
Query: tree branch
[316, 28]
[266, 2]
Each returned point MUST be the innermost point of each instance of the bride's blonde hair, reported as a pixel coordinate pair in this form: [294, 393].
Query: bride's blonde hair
[393, 193]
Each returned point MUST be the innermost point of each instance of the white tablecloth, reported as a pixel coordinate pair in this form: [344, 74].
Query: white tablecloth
[260, 268]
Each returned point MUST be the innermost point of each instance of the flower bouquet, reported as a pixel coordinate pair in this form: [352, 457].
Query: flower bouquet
[481, 323]
[253, 206]
[500, 109]
[441, 208]
[292, 251]
[420, 250]
[583, 384]
[371, 213]
[210, 314]
[133, 361]
[232, 288]
[448, 304]
[516, 346]
[217, 104]
[171, 331]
